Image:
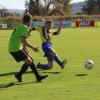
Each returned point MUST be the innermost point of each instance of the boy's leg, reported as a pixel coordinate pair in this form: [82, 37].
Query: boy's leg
[23, 69]
[51, 55]
[29, 62]
[45, 47]
[20, 56]
[57, 59]
[18, 76]
[42, 66]
[34, 70]
[61, 63]
[46, 66]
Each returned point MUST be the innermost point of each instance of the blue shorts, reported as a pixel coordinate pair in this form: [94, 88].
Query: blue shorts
[46, 46]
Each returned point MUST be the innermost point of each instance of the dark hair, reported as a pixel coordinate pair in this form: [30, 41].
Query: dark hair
[26, 18]
[48, 21]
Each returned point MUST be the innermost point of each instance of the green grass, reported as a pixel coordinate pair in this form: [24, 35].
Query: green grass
[75, 82]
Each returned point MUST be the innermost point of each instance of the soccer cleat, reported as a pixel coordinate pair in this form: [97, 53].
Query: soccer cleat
[18, 77]
[63, 64]
[40, 78]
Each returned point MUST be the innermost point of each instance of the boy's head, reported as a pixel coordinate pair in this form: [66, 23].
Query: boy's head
[26, 19]
[48, 24]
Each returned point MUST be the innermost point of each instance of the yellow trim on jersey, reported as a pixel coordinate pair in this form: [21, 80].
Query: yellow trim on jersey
[43, 34]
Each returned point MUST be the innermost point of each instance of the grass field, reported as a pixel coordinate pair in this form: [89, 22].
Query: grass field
[75, 82]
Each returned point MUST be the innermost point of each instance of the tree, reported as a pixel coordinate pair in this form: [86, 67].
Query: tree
[98, 3]
[92, 7]
[45, 7]
[33, 7]
[62, 6]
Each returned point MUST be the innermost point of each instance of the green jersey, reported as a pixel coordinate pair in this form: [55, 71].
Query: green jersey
[15, 43]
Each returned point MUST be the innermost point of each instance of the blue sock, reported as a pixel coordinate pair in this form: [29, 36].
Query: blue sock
[57, 59]
[42, 66]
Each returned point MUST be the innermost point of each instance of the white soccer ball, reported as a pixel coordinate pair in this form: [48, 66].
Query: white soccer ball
[89, 64]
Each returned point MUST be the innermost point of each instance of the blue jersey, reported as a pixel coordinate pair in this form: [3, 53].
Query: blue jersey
[43, 34]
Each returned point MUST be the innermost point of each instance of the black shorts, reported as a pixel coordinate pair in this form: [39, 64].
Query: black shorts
[19, 55]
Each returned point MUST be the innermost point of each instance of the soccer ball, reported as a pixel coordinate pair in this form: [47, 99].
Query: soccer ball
[89, 64]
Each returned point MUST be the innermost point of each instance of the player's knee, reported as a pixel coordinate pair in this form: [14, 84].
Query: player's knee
[28, 61]
[53, 54]
[50, 66]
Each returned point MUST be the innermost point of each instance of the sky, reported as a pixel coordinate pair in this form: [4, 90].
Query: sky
[19, 4]
[77, 0]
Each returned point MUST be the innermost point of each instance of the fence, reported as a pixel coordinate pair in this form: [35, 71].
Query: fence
[68, 21]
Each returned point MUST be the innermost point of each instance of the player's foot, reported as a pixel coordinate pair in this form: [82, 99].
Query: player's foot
[18, 77]
[40, 78]
[63, 64]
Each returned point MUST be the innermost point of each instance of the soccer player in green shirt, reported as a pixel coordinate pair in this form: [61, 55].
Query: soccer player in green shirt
[47, 47]
[17, 47]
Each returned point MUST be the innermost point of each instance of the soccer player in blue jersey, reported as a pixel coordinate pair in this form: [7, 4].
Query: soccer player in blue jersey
[50, 53]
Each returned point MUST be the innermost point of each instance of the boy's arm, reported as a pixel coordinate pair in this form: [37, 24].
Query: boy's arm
[27, 44]
[24, 48]
[30, 30]
[34, 29]
[59, 29]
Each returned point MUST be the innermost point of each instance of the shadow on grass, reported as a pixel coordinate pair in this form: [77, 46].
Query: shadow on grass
[8, 85]
[81, 75]
[12, 73]
[42, 71]
[52, 72]
[3, 86]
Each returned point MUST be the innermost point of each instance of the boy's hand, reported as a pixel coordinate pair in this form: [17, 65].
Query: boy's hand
[35, 48]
